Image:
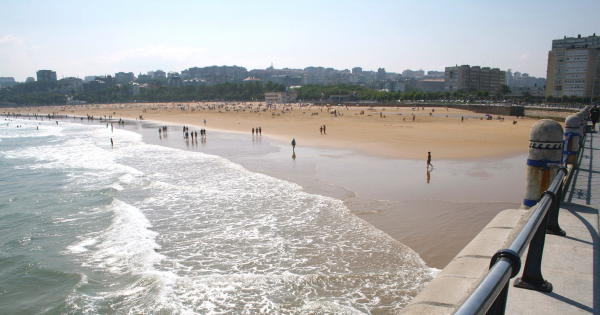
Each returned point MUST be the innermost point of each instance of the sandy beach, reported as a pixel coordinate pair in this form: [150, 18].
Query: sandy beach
[394, 132]
[371, 158]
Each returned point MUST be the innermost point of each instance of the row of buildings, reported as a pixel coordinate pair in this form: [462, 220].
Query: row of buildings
[573, 70]
[453, 79]
[431, 81]
[474, 78]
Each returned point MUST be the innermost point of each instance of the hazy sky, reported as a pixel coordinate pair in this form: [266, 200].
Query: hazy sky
[82, 37]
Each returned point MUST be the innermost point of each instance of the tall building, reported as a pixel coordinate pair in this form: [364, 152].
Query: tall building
[158, 75]
[476, 78]
[381, 74]
[124, 77]
[70, 85]
[418, 74]
[7, 82]
[574, 67]
[46, 76]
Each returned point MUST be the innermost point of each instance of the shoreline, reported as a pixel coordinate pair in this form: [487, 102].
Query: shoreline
[434, 219]
[391, 132]
[419, 223]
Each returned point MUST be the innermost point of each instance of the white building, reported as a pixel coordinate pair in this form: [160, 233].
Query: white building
[574, 67]
[280, 97]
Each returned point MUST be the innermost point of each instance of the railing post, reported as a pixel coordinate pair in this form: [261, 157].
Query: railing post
[499, 306]
[553, 226]
[545, 156]
[572, 137]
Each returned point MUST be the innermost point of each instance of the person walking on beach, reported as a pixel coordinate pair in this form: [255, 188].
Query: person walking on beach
[111, 143]
[260, 131]
[321, 129]
[253, 131]
[293, 144]
[324, 129]
[429, 160]
[594, 113]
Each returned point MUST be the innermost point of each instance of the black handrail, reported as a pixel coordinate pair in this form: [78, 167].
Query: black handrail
[490, 296]
[507, 262]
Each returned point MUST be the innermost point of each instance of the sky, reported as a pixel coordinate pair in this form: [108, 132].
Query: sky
[80, 37]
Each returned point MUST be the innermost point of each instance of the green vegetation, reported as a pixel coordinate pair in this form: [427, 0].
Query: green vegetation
[317, 92]
[42, 93]
[53, 93]
[32, 93]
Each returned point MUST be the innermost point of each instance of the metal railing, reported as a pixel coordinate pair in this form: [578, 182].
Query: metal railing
[490, 296]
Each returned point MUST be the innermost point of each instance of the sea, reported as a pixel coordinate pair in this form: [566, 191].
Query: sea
[90, 228]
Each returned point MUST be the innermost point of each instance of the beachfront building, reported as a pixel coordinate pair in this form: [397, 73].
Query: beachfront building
[124, 77]
[574, 67]
[7, 82]
[280, 97]
[46, 76]
[430, 85]
[158, 75]
[473, 78]
[70, 85]
[413, 74]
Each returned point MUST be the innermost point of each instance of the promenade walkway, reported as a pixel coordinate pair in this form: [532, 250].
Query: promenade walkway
[571, 263]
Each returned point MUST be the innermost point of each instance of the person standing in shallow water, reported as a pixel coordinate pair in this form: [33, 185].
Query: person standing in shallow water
[429, 160]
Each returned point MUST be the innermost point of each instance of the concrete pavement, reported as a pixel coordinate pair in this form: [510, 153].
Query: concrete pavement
[571, 263]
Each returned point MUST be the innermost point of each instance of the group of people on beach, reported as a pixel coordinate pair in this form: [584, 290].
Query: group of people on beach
[193, 134]
[323, 129]
[257, 130]
[162, 131]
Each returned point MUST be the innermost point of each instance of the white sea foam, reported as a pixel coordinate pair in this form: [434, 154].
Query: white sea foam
[82, 246]
[29, 129]
[128, 243]
[190, 232]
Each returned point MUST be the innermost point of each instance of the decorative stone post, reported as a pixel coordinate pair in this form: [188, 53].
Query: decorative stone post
[572, 135]
[545, 155]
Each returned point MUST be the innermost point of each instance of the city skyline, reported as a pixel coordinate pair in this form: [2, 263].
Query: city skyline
[138, 37]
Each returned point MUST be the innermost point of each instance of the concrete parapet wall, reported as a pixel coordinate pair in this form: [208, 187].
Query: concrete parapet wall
[460, 277]
[550, 114]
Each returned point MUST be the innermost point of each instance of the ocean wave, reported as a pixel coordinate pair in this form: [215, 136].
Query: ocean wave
[190, 232]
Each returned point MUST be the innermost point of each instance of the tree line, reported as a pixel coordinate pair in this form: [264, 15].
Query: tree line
[49, 93]
[52, 93]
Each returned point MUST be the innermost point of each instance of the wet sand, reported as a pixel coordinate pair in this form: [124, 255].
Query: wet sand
[436, 218]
